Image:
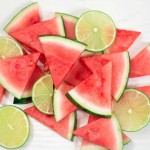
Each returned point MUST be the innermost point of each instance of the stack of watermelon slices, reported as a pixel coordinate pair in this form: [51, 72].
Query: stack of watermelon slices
[85, 81]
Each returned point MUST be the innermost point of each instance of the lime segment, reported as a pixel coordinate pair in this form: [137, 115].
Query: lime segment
[42, 94]
[9, 48]
[14, 127]
[96, 29]
[132, 110]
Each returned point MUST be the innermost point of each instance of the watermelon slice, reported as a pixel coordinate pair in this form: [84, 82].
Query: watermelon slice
[140, 63]
[29, 35]
[105, 132]
[144, 89]
[64, 127]
[88, 145]
[61, 54]
[93, 95]
[35, 76]
[62, 106]
[120, 69]
[124, 39]
[2, 90]
[69, 23]
[26, 17]
[15, 72]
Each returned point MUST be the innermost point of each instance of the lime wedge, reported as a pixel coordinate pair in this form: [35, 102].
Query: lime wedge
[132, 110]
[96, 29]
[42, 94]
[14, 127]
[9, 48]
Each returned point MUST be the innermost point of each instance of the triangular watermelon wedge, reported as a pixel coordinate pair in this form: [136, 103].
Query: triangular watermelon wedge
[105, 132]
[140, 64]
[26, 17]
[37, 73]
[69, 23]
[124, 39]
[2, 90]
[64, 127]
[88, 145]
[93, 95]
[16, 72]
[62, 106]
[29, 35]
[120, 69]
[61, 54]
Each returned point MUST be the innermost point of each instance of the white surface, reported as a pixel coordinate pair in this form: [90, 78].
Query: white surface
[127, 14]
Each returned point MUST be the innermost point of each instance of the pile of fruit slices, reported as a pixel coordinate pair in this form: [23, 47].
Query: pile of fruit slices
[88, 64]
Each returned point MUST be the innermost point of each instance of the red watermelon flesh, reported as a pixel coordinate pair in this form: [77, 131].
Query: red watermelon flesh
[26, 17]
[37, 73]
[64, 127]
[61, 54]
[120, 69]
[2, 90]
[126, 139]
[15, 72]
[144, 89]
[105, 132]
[140, 64]
[29, 35]
[77, 74]
[93, 95]
[124, 39]
[62, 106]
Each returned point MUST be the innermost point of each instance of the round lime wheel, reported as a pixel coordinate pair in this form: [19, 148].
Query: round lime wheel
[14, 127]
[42, 94]
[9, 48]
[132, 110]
[96, 29]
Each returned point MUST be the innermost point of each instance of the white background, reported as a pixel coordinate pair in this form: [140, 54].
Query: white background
[127, 14]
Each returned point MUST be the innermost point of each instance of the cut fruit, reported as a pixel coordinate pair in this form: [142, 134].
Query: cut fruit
[62, 106]
[78, 73]
[69, 23]
[145, 90]
[64, 127]
[42, 94]
[61, 53]
[2, 90]
[35, 76]
[26, 17]
[120, 69]
[22, 100]
[15, 72]
[96, 29]
[126, 139]
[9, 48]
[140, 63]
[29, 35]
[124, 39]
[93, 95]
[132, 110]
[15, 129]
[105, 132]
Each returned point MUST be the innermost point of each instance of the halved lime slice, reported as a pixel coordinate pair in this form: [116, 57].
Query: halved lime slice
[42, 94]
[96, 29]
[9, 48]
[14, 127]
[132, 110]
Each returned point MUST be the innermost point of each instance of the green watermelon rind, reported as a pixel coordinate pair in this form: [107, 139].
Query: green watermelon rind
[125, 79]
[22, 100]
[28, 124]
[101, 50]
[75, 100]
[15, 19]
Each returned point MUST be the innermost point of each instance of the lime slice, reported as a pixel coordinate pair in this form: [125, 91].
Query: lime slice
[42, 94]
[132, 110]
[9, 48]
[96, 29]
[14, 127]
